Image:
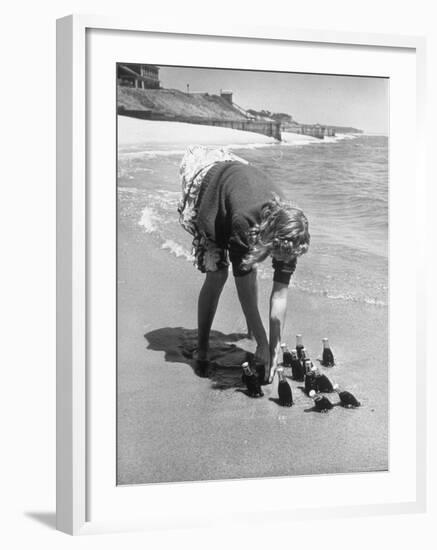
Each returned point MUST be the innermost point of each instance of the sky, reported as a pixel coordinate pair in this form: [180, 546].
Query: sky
[361, 102]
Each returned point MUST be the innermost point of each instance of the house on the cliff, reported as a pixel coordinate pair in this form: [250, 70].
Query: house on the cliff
[138, 75]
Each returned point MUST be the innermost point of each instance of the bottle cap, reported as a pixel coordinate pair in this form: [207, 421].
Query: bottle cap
[325, 342]
[283, 345]
[312, 393]
[336, 387]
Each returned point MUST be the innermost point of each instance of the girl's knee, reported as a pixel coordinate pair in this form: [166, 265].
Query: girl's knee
[222, 274]
[219, 277]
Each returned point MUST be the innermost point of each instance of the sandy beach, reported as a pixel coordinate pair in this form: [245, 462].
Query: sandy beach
[174, 425]
[137, 133]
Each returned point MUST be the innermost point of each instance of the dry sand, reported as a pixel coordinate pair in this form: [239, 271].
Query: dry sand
[132, 131]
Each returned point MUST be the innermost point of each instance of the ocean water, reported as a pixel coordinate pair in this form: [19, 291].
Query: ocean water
[341, 184]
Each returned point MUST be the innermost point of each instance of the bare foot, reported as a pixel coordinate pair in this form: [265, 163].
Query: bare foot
[201, 364]
[262, 356]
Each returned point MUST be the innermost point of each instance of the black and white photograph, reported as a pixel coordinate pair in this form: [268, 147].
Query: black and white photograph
[218, 275]
[252, 273]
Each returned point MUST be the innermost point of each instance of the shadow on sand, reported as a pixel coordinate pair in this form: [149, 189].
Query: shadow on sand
[277, 401]
[227, 353]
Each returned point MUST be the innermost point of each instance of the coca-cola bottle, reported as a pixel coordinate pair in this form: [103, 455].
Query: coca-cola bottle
[284, 390]
[322, 382]
[297, 370]
[347, 399]
[299, 345]
[327, 355]
[286, 356]
[252, 381]
[321, 402]
[309, 379]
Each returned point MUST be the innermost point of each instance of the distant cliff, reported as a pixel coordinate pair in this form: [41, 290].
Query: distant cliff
[204, 108]
[167, 104]
[284, 118]
[194, 107]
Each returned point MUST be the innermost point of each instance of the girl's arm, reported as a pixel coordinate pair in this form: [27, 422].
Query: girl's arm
[278, 308]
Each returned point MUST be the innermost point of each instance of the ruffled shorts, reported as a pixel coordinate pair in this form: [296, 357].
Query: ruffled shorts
[195, 166]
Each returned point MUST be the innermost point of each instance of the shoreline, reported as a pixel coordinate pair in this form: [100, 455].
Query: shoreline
[134, 134]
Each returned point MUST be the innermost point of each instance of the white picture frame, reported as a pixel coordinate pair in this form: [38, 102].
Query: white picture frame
[74, 342]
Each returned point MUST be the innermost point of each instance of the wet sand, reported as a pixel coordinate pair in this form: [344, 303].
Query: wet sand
[174, 425]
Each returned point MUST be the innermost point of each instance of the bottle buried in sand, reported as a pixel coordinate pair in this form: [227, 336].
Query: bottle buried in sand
[303, 357]
[286, 355]
[322, 382]
[297, 369]
[347, 399]
[252, 382]
[327, 355]
[309, 379]
[284, 390]
[290, 360]
[321, 403]
[299, 345]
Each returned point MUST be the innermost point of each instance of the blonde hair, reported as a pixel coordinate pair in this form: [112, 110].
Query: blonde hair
[283, 228]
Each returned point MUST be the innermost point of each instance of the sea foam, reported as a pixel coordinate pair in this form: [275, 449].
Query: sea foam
[288, 140]
[148, 220]
[176, 249]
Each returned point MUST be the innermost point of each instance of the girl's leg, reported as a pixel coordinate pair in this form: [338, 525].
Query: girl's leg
[248, 296]
[207, 307]
[250, 331]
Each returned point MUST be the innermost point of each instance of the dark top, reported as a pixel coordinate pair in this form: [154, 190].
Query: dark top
[231, 200]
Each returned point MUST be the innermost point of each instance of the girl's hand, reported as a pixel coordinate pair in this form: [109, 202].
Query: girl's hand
[270, 374]
[273, 364]
[262, 355]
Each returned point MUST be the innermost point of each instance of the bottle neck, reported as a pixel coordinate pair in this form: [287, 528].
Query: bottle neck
[247, 370]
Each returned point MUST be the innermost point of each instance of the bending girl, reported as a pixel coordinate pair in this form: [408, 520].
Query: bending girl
[237, 215]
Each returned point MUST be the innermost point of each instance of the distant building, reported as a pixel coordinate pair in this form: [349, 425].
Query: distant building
[226, 94]
[136, 75]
